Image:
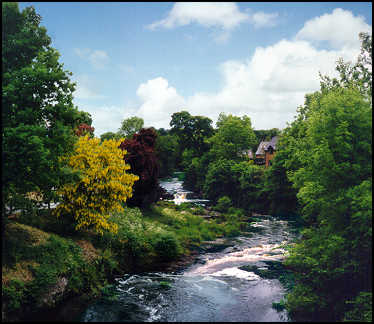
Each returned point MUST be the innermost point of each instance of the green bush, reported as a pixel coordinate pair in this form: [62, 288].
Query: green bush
[167, 246]
[223, 204]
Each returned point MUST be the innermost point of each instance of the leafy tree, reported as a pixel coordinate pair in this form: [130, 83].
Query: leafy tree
[130, 126]
[37, 110]
[192, 131]
[143, 161]
[84, 129]
[166, 152]
[233, 136]
[109, 135]
[358, 75]
[219, 181]
[331, 168]
[103, 186]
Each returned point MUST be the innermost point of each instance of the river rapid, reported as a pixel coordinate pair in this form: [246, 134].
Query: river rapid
[226, 283]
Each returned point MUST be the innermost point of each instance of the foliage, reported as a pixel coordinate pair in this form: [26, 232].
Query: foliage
[191, 131]
[142, 159]
[108, 136]
[330, 166]
[103, 187]
[240, 181]
[38, 115]
[130, 126]
[46, 258]
[84, 129]
[223, 204]
[233, 136]
[166, 152]
[362, 308]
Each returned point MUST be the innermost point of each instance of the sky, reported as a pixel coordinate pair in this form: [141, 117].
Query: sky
[152, 59]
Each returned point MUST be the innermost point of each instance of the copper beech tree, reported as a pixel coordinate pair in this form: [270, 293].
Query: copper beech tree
[143, 161]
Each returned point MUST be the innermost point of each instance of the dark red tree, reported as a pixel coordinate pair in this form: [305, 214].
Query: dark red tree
[142, 159]
[84, 129]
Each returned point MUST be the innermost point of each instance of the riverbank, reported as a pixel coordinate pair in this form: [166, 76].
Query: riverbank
[46, 263]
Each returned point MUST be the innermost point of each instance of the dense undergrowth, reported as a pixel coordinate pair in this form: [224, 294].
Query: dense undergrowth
[43, 253]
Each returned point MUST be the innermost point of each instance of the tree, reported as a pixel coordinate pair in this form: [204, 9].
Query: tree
[103, 186]
[109, 135]
[143, 161]
[38, 114]
[130, 126]
[84, 129]
[192, 131]
[330, 166]
[166, 152]
[233, 136]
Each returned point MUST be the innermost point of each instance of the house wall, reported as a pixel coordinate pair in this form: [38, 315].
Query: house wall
[268, 157]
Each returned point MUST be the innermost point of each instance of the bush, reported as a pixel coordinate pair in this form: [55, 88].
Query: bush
[223, 204]
[167, 246]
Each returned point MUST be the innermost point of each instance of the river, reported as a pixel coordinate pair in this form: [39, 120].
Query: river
[228, 283]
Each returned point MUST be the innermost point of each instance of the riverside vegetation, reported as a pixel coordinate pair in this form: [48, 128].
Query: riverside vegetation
[110, 220]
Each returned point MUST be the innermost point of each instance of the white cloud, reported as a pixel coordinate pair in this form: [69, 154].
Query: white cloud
[160, 101]
[223, 15]
[268, 86]
[340, 29]
[98, 58]
[261, 19]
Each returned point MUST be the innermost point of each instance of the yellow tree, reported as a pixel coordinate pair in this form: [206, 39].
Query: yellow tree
[103, 186]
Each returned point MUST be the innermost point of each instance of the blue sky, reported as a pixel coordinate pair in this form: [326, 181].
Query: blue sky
[152, 59]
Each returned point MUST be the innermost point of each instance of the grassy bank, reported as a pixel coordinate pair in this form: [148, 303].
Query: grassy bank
[45, 260]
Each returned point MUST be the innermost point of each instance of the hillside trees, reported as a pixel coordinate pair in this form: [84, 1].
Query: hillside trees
[38, 114]
[331, 169]
[105, 183]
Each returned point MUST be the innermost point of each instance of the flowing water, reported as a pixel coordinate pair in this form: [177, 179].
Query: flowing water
[224, 284]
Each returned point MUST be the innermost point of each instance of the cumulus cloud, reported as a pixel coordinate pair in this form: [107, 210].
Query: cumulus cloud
[268, 86]
[159, 102]
[340, 29]
[208, 14]
[272, 83]
[223, 15]
[98, 58]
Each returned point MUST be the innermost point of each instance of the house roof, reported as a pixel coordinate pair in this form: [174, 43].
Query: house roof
[264, 146]
[261, 147]
[273, 143]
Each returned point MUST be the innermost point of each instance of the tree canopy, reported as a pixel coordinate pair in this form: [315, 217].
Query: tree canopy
[38, 114]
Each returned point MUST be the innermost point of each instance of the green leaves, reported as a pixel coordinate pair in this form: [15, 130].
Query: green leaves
[37, 109]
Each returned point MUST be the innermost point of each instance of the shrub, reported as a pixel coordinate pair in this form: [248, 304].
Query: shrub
[223, 204]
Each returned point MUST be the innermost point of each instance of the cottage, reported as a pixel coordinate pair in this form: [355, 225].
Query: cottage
[266, 151]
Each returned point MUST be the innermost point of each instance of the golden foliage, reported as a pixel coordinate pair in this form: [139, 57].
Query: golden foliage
[104, 183]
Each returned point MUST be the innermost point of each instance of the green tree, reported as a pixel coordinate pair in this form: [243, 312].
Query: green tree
[130, 126]
[233, 136]
[331, 169]
[109, 135]
[37, 111]
[166, 152]
[192, 131]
